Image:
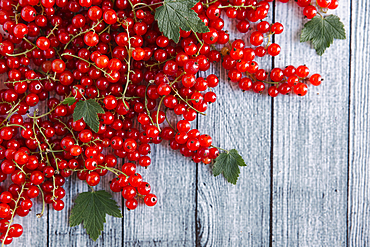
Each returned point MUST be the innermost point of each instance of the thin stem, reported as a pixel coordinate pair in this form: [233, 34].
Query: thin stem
[26, 80]
[207, 4]
[236, 7]
[165, 114]
[227, 151]
[177, 79]
[16, 125]
[36, 138]
[65, 126]
[128, 70]
[269, 39]
[29, 42]
[146, 104]
[133, 7]
[270, 82]
[13, 214]
[178, 95]
[158, 109]
[39, 215]
[91, 188]
[52, 30]
[93, 64]
[43, 115]
[105, 29]
[150, 66]
[11, 111]
[146, 5]
[22, 53]
[50, 147]
[113, 170]
[79, 34]
[20, 168]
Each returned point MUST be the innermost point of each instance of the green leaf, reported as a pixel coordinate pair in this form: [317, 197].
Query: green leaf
[88, 110]
[69, 101]
[228, 164]
[176, 14]
[322, 31]
[91, 208]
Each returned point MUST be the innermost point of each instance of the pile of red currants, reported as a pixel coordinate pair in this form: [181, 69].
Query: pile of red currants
[57, 53]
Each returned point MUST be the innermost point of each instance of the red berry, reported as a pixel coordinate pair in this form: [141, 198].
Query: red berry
[150, 200]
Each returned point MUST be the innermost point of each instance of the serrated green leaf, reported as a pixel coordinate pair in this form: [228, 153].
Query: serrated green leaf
[322, 31]
[91, 208]
[228, 164]
[88, 110]
[69, 101]
[176, 14]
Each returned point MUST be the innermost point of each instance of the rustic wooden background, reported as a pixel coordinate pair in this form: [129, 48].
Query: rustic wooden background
[307, 178]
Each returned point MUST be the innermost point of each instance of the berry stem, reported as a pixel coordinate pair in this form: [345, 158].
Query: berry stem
[165, 114]
[91, 188]
[36, 79]
[133, 7]
[65, 126]
[79, 34]
[93, 64]
[146, 5]
[236, 7]
[39, 215]
[150, 66]
[16, 125]
[146, 104]
[207, 3]
[178, 95]
[128, 70]
[50, 147]
[105, 29]
[227, 151]
[13, 214]
[158, 109]
[29, 42]
[52, 30]
[113, 170]
[22, 53]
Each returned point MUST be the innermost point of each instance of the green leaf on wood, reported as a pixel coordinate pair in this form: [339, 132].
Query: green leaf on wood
[322, 31]
[88, 110]
[91, 208]
[69, 101]
[228, 164]
[176, 14]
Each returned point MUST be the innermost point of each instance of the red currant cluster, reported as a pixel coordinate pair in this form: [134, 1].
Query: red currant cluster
[310, 9]
[113, 53]
[284, 81]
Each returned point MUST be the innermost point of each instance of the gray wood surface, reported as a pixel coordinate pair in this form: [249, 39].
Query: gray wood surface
[359, 131]
[306, 183]
[310, 142]
[229, 215]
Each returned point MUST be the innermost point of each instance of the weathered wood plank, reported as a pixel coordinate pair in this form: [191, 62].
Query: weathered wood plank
[359, 173]
[172, 221]
[310, 142]
[236, 215]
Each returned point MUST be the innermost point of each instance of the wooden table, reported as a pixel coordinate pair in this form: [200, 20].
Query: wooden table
[307, 180]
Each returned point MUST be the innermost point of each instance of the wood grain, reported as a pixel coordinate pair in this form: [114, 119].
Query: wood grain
[172, 221]
[359, 173]
[310, 142]
[236, 215]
